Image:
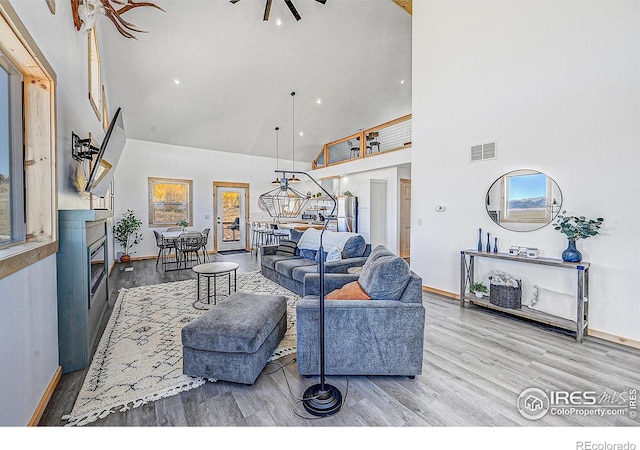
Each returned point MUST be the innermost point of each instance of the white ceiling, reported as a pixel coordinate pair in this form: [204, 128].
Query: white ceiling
[237, 72]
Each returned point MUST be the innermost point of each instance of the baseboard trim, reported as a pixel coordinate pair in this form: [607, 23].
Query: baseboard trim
[441, 292]
[591, 332]
[613, 338]
[44, 401]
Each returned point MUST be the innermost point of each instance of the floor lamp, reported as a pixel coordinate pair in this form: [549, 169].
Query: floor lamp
[321, 399]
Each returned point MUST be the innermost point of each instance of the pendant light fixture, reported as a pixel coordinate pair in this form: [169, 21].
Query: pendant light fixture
[293, 178]
[277, 180]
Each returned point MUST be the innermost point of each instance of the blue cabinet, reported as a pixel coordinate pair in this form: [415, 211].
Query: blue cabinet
[83, 291]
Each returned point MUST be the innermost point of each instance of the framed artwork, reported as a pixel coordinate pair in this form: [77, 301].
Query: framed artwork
[95, 84]
[105, 110]
[52, 6]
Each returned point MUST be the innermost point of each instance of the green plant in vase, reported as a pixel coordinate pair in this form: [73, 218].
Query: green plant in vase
[576, 227]
[183, 223]
[127, 233]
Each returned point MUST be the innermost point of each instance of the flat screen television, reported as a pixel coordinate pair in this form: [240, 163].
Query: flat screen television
[108, 156]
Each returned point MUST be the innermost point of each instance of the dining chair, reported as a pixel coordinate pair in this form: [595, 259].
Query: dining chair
[188, 247]
[205, 241]
[175, 229]
[163, 246]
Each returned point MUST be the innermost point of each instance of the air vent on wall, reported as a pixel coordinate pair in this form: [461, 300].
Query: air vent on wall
[481, 152]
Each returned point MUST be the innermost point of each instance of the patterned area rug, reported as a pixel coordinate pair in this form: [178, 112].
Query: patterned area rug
[139, 357]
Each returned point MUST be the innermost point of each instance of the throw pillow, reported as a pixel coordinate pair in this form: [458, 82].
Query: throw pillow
[350, 291]
[308, 253]
[286, 248]
[385, 276]
[295, 235]
[354, 247]
[334, 254]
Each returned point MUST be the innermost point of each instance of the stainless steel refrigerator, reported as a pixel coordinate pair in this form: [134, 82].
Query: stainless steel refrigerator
[347, 214]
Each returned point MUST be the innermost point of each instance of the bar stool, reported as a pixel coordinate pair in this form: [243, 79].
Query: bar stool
[279, 234]
[263, 236]
[253, 226]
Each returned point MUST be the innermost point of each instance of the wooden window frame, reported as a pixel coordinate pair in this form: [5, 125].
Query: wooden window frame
[40, 155]
[152, 181]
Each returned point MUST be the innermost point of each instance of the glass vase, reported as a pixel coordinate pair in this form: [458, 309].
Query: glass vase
[571, 253]
[479, 239]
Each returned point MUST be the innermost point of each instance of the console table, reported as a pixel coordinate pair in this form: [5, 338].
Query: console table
[581, 324]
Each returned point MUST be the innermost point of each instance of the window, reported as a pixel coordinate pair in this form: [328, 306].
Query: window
[170, 202]
[28, 218]
[11, 155]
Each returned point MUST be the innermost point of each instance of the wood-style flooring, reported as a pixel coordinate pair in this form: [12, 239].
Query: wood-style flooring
[476, 364]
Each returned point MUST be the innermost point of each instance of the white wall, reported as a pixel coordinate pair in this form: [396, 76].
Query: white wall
[142, 159]
[28, 340]
[556, 84]
[28, 323]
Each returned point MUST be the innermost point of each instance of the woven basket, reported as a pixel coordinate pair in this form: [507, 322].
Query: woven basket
[506, 296]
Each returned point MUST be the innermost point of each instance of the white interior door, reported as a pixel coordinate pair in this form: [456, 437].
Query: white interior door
[231, 226]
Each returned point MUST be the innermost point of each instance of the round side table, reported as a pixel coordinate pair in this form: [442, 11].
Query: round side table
[215, 270]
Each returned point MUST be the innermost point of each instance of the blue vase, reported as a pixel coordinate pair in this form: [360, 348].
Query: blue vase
[571, 254]
[488, 243]
[495, 245]
[479, 239]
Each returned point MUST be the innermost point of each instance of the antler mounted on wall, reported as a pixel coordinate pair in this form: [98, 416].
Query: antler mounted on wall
[84, 14]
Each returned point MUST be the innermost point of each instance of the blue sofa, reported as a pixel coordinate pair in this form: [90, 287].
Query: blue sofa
[381, 336]
[290, 270]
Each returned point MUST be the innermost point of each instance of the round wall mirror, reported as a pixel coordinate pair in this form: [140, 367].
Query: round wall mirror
[523, 200]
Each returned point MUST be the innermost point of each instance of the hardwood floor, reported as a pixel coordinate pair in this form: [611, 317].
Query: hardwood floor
[476, 364]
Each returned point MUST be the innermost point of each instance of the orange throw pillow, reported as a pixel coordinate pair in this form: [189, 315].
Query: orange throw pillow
[350, 291]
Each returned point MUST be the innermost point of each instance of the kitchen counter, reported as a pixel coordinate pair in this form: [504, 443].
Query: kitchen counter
[300, 226]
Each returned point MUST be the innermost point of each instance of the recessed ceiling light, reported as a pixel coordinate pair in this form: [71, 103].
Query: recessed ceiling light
[176, 81]
[401, 81]
[319, 101]
[302, 133]
[278, 22]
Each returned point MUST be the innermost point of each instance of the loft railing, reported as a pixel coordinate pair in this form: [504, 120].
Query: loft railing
[384, 138]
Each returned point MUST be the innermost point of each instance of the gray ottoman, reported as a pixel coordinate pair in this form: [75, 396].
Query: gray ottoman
[234, 340]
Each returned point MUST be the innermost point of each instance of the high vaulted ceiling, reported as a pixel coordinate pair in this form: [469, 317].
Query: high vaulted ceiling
[349, 62]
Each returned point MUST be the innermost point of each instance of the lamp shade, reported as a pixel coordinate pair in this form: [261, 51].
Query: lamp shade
[283, 201]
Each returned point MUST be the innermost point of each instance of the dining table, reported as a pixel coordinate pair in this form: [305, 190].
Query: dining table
[169, 238]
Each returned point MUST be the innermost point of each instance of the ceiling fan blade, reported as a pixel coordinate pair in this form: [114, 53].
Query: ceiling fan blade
[234, 1]
[322, 1]
[293, 9]
[267, 10]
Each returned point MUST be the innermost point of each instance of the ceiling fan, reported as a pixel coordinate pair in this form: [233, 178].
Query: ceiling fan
[289, 3]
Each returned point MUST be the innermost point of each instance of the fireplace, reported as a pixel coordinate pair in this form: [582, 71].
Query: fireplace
[83, 284]
[97, 267]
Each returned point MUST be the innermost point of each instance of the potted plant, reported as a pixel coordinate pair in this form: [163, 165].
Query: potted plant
[127, 232]
[183, 223]
[576, 227]
[478, 288]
